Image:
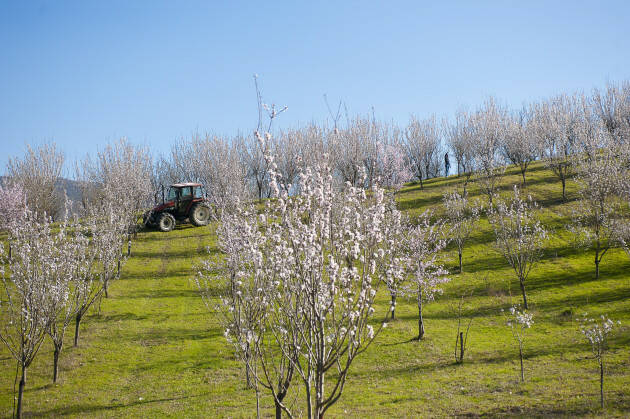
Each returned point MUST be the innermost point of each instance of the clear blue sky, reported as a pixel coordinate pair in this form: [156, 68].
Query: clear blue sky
[84, 73]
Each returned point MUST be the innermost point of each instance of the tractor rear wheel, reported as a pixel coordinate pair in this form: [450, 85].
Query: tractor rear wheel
[166, 222]
[200, 214]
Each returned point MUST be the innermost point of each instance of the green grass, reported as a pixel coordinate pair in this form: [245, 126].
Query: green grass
[154, 350]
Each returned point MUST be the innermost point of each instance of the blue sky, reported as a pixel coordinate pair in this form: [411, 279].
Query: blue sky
[85, 73]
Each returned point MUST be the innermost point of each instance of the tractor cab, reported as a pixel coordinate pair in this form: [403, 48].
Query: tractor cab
[181, 202]
[181, 195]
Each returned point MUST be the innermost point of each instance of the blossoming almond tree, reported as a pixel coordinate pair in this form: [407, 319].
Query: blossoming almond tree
[244, 303]
[328, 252]
[423, 144]
[596, 219]
[519, 321]
[489, 130]
[520, 143]
[318, 262]
[12, 205]
[29, 288]
[423, 244]
[395, 266]
[553, 124]
[74, 267]
[393, 171]
[519, 236]
[89, 279]
[597, 334]
[461, 216]
[119, 180]
[460, 138]
[12, 208]
[38, 172]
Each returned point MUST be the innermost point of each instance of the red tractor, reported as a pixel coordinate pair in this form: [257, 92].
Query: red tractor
[184, 201]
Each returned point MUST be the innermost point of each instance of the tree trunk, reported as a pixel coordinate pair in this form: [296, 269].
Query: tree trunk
[56, 353]
[257, 402]
[309, 404]
[21, 392]
[523, 173]
[105, 286]
[459, 252]
[564, 186]
[420, 320]
[77, 322]
[601, 382]
[522, 283]
[278, 410]
[461, 347]
[597, 261]
[393, 306]
[520, 352]
[319, 390]
[248, 378]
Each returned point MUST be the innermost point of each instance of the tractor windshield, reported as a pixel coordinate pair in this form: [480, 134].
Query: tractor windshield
[172, 194]
[198, 192]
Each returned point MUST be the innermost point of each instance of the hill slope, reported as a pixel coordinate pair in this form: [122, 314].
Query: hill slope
[155, 350]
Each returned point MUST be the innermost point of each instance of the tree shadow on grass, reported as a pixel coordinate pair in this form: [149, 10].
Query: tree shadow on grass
[170, 335]
[164, 293]
[414, 339]
[87, 409]
[577, 408]
[500, 356]
[174, 254]
[106, 318]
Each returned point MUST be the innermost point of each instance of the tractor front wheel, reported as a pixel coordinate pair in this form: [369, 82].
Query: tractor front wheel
[200, 215]
[166, 222]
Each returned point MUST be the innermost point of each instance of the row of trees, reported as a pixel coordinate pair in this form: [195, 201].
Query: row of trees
[53, 274]
[298, 280]
[482, 142]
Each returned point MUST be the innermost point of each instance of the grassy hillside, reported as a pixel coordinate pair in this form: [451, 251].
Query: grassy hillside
[154, 350]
